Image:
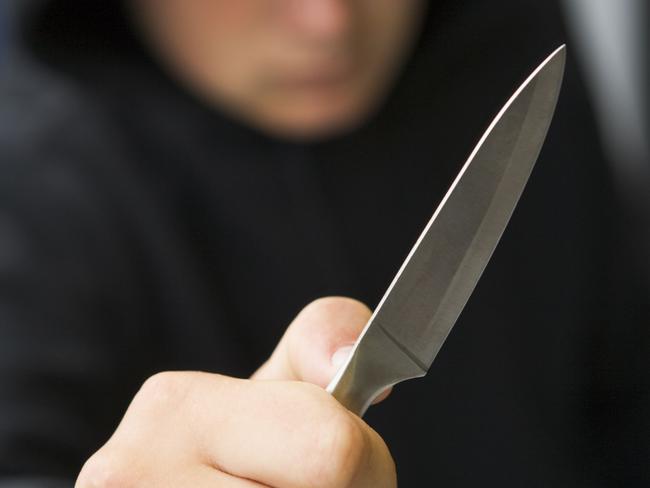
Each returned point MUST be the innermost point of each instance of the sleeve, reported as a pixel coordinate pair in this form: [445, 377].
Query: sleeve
[68, 324]
[36, 483]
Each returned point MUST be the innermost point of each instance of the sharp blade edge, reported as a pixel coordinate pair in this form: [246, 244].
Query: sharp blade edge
[440, 273]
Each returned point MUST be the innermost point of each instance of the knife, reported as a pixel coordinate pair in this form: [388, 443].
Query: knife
[421, 305]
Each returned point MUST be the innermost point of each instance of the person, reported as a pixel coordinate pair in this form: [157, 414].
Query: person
[180, 178]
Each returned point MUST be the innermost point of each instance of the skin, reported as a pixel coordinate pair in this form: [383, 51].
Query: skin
[302, 70]
[278, 429]
[298, 69]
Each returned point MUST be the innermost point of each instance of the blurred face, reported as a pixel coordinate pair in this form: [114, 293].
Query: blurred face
[294, 68]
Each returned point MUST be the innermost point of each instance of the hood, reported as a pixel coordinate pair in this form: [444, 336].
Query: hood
[56, 30]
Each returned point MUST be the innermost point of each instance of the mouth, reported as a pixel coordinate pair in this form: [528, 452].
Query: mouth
[318, 78]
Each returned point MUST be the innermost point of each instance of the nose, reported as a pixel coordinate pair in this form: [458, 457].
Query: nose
[319, 19]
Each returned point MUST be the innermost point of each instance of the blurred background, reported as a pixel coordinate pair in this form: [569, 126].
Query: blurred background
[612, 43]
[611, 39]
[2, 30]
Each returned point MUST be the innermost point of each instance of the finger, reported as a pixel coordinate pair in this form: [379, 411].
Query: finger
[208, 477]
[155, 443]
[299, 434]
[308, 349]
[97, 473]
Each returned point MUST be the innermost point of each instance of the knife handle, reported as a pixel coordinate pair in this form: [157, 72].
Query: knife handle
[377, 362]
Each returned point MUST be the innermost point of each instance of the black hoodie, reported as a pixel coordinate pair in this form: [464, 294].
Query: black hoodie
[142, 231]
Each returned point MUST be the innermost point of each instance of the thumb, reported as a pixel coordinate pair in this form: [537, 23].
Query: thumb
[317, 342]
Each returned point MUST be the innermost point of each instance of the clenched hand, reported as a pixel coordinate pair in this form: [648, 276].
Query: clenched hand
[279, 429]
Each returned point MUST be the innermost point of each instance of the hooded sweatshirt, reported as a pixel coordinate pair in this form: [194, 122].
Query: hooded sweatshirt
[143, 231]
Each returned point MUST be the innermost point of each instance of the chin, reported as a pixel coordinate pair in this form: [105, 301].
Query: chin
[318, 121]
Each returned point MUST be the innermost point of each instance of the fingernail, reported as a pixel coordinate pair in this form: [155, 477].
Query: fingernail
[341, 355]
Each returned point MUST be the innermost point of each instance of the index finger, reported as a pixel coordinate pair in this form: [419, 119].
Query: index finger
[288, 434]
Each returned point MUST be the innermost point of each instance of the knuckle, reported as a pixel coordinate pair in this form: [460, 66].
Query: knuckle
[103, 471]
[337, 303]
[166, 388]
[341, 450]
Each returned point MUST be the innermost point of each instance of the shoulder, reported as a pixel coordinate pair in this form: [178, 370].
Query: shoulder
[50, 118]
[62, 169]
[57, 143]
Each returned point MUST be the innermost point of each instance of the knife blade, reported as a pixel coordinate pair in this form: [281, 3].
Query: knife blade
[430, 290]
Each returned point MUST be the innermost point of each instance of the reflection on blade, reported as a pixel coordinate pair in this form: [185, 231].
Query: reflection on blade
[437, 278]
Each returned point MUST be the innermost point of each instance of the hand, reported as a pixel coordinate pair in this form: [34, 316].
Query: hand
[279, 429]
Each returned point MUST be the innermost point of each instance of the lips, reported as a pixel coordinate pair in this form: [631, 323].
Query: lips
[318, 78]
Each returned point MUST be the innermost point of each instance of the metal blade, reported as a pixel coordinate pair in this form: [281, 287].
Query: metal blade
[439, 275]
[437, 278]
